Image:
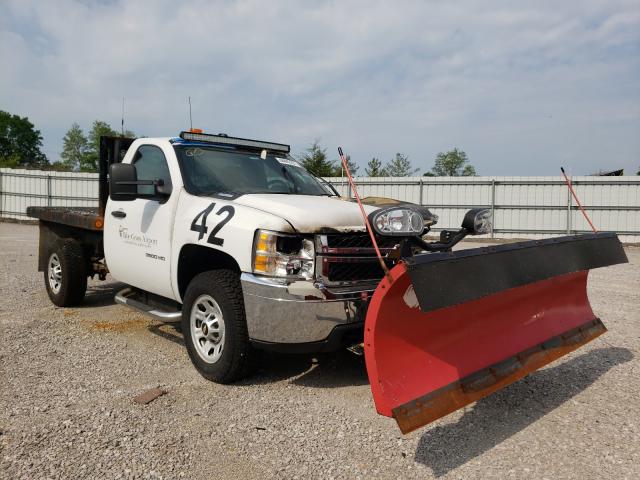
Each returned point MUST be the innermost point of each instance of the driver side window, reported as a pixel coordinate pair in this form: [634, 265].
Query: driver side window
[151, 164]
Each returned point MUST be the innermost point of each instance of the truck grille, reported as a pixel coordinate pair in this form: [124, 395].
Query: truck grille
[354, 243]
[354, 272]
[350, 258]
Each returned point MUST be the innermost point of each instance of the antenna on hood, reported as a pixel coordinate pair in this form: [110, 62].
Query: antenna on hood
[122, 119]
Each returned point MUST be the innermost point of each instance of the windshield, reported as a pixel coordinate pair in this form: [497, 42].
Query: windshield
[209, 170]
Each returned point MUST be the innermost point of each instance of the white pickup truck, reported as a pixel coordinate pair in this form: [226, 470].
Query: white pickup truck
[231, 235]
[234, 238]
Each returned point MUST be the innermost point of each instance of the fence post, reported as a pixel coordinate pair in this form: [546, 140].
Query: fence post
[49, 190]
[569, 202]
[493, 205]
[421, 189]
[1, 196]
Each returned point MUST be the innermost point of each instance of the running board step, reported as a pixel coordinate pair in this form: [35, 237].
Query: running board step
[131, 298]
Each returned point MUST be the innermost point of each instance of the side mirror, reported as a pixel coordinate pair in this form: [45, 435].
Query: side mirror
[478, 221]
[123, 182]
[163, 190]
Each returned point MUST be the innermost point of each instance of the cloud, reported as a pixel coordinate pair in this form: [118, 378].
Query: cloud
[522, 89]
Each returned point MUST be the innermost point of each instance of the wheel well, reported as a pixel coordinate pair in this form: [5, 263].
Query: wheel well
[52, 233]
[195, 259]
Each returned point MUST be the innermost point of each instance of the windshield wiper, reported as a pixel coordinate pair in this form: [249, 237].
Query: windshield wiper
[291, 179]
[330, 185]
[222, 194]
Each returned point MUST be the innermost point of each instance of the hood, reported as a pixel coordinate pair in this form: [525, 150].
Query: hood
[309, 213]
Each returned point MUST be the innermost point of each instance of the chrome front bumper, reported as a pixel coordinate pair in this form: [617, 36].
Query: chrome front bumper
[281, 312]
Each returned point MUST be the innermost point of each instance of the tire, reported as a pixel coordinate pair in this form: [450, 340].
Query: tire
[65, 275]
[215, 327]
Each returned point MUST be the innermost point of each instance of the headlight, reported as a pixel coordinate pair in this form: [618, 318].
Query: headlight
[478, 221]
[397, 221]
[283, 255]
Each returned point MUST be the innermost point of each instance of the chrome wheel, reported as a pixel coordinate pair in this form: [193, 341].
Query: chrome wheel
[207, 328]
[55, 273]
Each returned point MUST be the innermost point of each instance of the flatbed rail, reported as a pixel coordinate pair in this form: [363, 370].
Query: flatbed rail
[86, 218]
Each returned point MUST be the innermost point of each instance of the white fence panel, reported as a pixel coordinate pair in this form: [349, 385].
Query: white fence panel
[524, 207]
[21, 188]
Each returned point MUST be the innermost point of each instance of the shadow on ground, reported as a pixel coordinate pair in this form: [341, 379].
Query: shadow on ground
[101, 295]
[503, 414]
[171, 331]
[330, 370]
[338, 369]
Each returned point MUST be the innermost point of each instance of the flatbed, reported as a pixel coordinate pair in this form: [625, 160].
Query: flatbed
[86, 218]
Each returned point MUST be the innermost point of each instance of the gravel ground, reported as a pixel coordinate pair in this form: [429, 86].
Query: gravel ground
[68, 378]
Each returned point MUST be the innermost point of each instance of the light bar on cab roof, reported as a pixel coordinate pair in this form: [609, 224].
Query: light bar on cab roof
[240, 142]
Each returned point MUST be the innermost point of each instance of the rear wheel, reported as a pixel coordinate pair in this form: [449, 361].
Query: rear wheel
[65, 275]
[215, 327]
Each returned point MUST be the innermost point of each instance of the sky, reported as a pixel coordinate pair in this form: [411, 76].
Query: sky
[521, 87]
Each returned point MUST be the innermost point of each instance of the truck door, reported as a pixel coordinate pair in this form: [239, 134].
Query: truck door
[137, 233]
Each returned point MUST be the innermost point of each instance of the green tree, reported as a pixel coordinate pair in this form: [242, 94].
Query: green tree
[353, 168]
[74, 150]
[453, 163]
[99, 129]
[56, 167]
[20, 142]
[315, 161]
[12, 161]
[399, 166]
[374, 168]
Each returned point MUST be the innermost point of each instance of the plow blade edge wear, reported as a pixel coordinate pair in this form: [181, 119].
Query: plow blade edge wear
[454, 327]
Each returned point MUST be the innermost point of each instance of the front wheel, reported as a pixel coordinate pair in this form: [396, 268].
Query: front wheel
[215, 328]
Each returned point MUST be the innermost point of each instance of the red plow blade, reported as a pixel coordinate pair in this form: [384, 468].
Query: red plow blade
[454, 327]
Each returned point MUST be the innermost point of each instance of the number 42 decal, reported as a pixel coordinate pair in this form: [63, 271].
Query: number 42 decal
[202, 228]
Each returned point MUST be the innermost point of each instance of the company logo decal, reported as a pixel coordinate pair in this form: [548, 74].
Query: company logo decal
[137, 239]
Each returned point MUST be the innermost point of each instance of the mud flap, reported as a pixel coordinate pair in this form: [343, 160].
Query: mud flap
[454, 327]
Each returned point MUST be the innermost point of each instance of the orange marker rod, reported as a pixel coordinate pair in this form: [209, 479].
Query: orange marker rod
[566, 179]
[385, 269]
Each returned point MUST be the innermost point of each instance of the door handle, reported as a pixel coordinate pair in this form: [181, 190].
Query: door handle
[118, 213]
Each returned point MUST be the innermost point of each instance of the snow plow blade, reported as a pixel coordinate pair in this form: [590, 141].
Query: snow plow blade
[454, 327]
